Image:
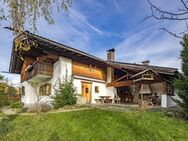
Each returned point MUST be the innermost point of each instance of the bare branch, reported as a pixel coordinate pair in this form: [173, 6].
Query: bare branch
[152, 6]
[184, 4]
[159, 14]
[182, 15]
[171, 33]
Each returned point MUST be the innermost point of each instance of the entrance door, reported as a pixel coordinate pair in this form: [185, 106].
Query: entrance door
[86, 91]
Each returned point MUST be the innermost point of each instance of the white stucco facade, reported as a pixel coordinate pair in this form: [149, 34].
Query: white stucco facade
[62, 69]
[167, 101]
[30, 93]
[103, 90]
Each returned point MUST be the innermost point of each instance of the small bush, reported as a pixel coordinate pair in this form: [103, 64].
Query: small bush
[65, 95]
[24, 109]
[39, 107]
[16, 105]
[3, 99]
[45, 107]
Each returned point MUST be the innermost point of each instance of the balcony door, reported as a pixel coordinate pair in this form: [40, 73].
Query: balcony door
[86, 91]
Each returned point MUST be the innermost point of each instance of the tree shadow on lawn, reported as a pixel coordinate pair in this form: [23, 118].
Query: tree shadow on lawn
[5, 126]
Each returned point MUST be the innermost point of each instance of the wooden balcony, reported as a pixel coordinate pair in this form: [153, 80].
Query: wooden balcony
[39, 72]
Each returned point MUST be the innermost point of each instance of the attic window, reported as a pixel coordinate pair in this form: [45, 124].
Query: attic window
[147, 76]
[96, 89]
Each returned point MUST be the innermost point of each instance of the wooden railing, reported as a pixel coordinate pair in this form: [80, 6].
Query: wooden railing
[40, 68]
[120, 84]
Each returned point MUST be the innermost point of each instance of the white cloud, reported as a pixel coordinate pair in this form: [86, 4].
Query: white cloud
[73, 29]
[159, 47]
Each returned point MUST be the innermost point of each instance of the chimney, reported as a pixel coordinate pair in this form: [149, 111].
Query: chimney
[111, 54]
[146, 62]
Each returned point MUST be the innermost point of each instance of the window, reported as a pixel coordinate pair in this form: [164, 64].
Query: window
[87, 90]
[96, 89]
[45, 89]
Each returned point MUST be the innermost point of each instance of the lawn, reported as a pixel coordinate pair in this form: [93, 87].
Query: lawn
[94, 124]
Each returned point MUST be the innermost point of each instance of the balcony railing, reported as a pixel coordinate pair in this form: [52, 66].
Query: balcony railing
[43, 68]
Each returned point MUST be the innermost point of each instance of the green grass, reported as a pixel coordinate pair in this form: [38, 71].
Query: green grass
[96, 125]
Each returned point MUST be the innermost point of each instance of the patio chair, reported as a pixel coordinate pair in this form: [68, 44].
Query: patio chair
[98, 100]
[117, 99]
[109, 100]
[150, 101]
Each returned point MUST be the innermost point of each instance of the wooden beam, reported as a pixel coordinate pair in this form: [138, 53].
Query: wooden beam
[164, 87]
[120, 84]
[78, 55]
[123, 70]
[118, 79]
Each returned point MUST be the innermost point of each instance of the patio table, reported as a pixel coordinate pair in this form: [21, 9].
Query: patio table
[104, 98]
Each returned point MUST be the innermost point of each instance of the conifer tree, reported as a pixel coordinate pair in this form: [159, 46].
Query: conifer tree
[181, 84]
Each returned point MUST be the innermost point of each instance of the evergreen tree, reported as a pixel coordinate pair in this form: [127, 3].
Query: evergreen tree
[65, 95]
[181, 84]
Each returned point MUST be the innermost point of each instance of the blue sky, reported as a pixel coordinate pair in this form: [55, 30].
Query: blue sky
[94, 26]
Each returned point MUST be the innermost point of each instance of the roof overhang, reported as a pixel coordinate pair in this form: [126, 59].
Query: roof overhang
[46, 46]
[139, 68]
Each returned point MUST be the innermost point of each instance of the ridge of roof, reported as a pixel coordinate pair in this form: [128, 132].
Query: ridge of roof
[141, 65]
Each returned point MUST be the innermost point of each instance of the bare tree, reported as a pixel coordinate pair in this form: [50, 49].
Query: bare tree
[20, 14]
[181, 15]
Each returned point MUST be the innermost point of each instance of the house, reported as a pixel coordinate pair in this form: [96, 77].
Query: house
[48, 63]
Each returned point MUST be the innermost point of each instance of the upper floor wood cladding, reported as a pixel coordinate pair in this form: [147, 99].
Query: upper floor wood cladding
[89, 70]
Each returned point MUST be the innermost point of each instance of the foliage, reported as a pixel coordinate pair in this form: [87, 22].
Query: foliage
[96, 125]
[65, 95]
[1, 77]
[3, 96]
[7, 92]
[22, 12]
[23, 44]
[3, 99]
[10, 93]
[181, 84]
[16, 104]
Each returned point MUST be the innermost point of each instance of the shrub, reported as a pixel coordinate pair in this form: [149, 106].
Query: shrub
[3, 99]
[17, 105]
[65, 95]
[39, 107]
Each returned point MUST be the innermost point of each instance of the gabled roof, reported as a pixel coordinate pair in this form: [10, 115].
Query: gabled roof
[47, 45]
[144, 71]
[140, 67]
[51, 46]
